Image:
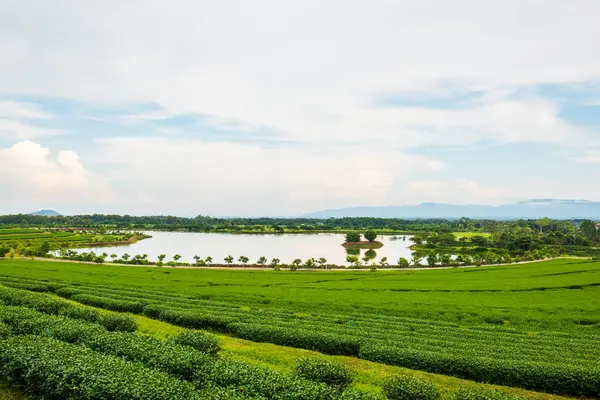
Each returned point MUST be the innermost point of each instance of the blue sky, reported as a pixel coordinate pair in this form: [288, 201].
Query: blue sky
[281, 108]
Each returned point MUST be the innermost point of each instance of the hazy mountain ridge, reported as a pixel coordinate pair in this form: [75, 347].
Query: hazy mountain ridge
[46, 213]
[535, 208]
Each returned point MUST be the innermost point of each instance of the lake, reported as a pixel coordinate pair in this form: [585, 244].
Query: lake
[286, 247]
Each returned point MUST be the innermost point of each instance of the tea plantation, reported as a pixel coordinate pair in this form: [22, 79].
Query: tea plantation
[531, 326]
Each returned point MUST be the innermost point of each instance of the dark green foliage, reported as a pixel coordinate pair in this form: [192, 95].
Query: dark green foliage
[353, 237]
[322, 342]
[56, 370]
[4, 330]
[320, 370]
[544, 377]
[475, 393]
[109, 304]
[262, 382]
[55, 306]
[409, 388]
[203, 342]
[370, 235]
[119, 322]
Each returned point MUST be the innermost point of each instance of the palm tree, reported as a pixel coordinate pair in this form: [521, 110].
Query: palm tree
[176, 257]
[209, 260]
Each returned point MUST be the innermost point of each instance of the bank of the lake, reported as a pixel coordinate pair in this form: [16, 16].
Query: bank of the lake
[285, 247]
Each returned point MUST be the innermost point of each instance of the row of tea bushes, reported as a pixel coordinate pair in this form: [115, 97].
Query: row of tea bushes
[57, 306]
[545, 377]
[58, 370]
[178, 360]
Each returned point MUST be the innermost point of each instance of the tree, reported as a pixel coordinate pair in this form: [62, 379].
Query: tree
[383, 262]
[310, 263]
[228, 260]
[125, 257]
[113, 256]
[403, 263]
[295, 264]
[243, 259]
[209, 260]
[176, 257]
[432, 259]
[415, 261]
[12, 253]
[262, 260]
[275, 262]
[370, 236]
[161, 259]
[352, 260]
[322, 261]
[445, 259]
[197, 258]
[352, 237]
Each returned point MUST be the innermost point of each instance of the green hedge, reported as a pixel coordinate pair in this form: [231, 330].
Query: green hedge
[190, 319]
[544, 377]
[320, 370]
[119, 322]
[473, 393]
[109, 304]
[409, 388]
[55, 306]
[322, 342]
[56, 370]
[203, 342]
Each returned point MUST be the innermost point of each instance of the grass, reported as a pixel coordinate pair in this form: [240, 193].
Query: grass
[469, 235]
[365, 244]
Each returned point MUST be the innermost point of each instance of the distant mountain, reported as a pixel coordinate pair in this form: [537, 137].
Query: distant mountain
[530, 209]
[46, 213]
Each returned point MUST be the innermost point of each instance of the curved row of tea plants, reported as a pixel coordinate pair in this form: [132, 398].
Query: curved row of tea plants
[178, 360]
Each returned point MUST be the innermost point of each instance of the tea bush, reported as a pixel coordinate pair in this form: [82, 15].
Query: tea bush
[119, 322]
[56, 370]
[319, 370]
[409, 388]
[203, 342]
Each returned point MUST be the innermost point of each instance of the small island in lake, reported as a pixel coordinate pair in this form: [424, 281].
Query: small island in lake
[353, 241]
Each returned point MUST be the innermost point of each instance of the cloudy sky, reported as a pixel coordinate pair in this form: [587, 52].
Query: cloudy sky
[271, 107]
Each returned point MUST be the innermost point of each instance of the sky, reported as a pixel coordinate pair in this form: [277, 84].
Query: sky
[279, 108]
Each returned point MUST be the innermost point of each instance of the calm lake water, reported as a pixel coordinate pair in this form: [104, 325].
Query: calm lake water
[286, 247]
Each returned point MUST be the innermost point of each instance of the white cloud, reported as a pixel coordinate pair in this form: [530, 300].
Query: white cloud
[460, 191]
[589, 157]
[228, 178]
[30, 176]
[311, 71]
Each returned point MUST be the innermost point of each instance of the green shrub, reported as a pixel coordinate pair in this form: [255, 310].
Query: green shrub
[293, 337]
[5, 330]
[195, 320]
[474, 393]
[109, 304]
[329, 372]
[119, 322]
[56, 370]
[538, 376]
[409, 388]
[263, 383]
[203, 342]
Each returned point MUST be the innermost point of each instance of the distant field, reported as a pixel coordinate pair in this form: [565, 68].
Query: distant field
[57, 238]
[523, 325]
[469, 235]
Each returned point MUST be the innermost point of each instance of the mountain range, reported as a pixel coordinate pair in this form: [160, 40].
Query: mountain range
[46, 213]
[529, 209]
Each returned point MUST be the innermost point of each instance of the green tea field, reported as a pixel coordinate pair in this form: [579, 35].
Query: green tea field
[531, 330]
